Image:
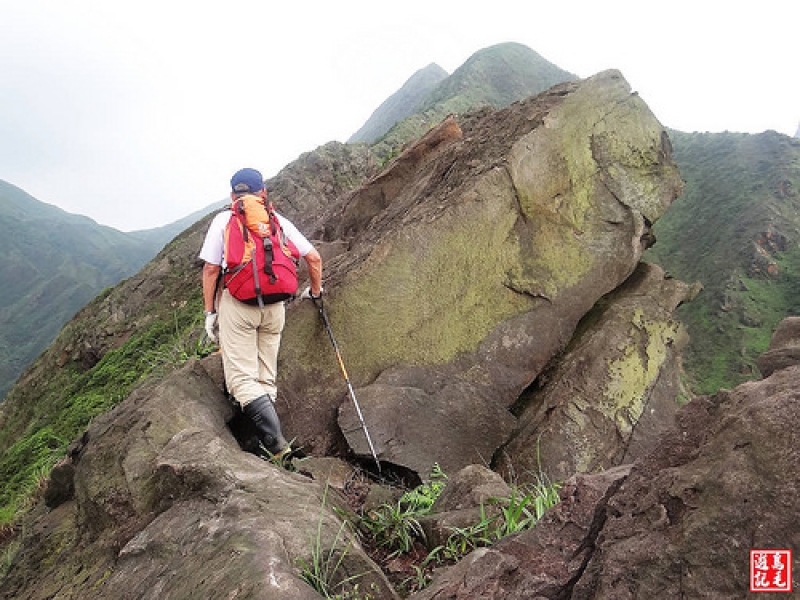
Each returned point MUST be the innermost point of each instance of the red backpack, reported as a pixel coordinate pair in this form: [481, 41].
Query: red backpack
[261, 264]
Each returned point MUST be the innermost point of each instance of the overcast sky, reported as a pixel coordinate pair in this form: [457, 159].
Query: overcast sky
[136, 113]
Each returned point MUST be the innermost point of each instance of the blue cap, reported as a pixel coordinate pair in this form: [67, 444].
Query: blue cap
[247, 180]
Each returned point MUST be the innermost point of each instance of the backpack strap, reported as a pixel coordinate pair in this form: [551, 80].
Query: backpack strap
[266, 246]
[256, 283]
[273, 280]
[269, 251]
[269, 256]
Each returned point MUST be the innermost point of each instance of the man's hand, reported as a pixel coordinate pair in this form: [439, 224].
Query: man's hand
[308, 295]
[211, 326]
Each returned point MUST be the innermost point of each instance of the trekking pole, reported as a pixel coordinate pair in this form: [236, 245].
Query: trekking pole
[318, 303]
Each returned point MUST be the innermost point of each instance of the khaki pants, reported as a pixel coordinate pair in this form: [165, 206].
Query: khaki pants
[249, 338]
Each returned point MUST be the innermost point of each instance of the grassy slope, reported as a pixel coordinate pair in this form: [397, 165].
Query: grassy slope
[739, 215]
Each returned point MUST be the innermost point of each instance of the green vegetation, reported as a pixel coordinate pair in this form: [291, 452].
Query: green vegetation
[521, 510]
[46, 278]
[736, 229]
[396, 529]
[726, 342]
[393, 530]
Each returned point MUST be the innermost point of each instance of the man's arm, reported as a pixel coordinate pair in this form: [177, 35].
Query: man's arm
[314, 262]
[210, 275]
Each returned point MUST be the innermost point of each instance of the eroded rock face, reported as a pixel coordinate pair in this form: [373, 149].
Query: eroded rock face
[719, 485]
[612, 391]
[472, 259]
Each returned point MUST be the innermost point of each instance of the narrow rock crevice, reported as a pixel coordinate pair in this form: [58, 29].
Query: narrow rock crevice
[589, 544]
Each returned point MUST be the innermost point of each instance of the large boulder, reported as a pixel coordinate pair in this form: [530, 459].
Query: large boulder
[606, 399]
[784, 348]
[472, 258]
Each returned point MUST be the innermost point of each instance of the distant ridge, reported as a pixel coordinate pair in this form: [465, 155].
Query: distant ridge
[54, 262]
[403, 103]
[495, 76]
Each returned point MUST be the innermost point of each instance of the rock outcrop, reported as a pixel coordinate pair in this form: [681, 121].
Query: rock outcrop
[784, 348]
[166, 505]
[472, 258]
[678, 523]
[613, 390]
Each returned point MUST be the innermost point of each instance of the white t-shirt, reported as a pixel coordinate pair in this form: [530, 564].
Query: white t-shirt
[214, 244]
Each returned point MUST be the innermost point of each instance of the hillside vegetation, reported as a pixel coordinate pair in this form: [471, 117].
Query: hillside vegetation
[736, 229]
[109, 347]
[54, 263]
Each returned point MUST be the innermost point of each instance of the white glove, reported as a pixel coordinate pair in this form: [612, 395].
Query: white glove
[307, 295]
[211, 326]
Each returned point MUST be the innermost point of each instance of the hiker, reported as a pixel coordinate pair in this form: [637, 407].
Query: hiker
[250, 329]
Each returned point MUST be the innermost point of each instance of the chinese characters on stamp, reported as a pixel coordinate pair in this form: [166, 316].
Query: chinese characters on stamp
[770, 570]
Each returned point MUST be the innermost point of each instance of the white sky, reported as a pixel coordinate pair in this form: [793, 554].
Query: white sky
[137, 112]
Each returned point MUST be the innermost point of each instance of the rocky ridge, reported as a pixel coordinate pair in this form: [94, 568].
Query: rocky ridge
[487, 291]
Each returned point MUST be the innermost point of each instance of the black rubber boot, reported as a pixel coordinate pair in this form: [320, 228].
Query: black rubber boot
[268, 426]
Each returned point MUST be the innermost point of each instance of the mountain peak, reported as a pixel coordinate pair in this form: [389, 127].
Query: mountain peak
[495, 76]
[400, 105]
